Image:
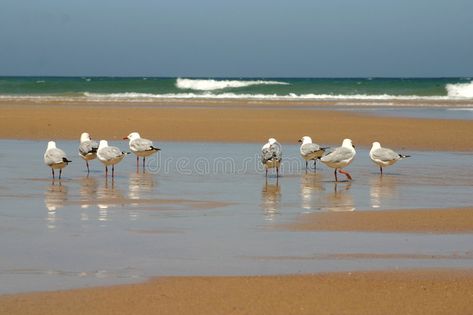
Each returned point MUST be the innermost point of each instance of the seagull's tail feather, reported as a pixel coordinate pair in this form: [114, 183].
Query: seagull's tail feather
[404, 156]
[155, 148]
[65, 160]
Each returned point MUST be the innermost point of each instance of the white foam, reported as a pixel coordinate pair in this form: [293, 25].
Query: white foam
[290, 96]
[460, 90]
[211, 85]
[359, 100]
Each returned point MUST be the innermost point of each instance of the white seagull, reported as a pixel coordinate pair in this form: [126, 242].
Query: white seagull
[109, 155]
[310, 151]
[384, 157]
[55, 158]
[87, 148]
[140, 147]
[271, 155]
[340, 157]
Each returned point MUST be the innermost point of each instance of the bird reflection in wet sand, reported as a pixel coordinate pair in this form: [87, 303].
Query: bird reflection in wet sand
[311, 186]
[271, 200]
[139, 185]
[382, 188]
[108, 196]
[55, 197]
[341, 199]
[88, 191]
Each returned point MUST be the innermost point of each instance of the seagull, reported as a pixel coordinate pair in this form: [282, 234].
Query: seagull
[109, 155]
[310, 151]
[140, 146]
[271, 155]
[87, 148]
[55, 158]
[340, 157]
[384, 156]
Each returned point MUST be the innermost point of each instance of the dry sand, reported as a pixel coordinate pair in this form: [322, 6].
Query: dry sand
[397, 292]
[228, 122]
[459, 220]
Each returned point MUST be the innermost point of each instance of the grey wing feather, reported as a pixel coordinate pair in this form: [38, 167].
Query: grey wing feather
[385, 154]
[110, 153]
[141, 144]
[309, 148]
[266, 155]
[274, 152]
[338, 155]
[54, 156]
[87, 147]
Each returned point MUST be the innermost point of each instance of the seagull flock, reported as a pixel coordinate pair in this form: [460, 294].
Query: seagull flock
[271, 154]
[338, 158]
[108, 155]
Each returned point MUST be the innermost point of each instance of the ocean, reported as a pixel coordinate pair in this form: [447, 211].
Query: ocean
[145, 89]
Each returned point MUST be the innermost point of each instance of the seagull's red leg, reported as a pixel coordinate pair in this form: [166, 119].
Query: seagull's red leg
[346, 174]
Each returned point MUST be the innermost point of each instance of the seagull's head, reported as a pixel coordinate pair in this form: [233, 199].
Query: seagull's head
[51, 145]
[272, 141]
[132, 136]
[376, 145]
[305, 139]
[103, 144]
[347, 143]
[84, 137]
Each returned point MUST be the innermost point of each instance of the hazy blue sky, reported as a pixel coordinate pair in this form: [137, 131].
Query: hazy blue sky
[264, 38]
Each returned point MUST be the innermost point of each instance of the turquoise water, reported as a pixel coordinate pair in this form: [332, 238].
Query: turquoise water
[142, 88]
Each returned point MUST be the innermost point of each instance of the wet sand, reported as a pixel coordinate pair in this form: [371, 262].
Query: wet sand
[391, 292]
[228, 122]
[458, 220]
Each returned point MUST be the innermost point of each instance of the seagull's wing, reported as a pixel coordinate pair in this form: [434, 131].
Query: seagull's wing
[276, 149]
[385, 154]
[110, 153]
[54, 156]
[309, 148]
[141, 145]
[338, 155]
[87, 147]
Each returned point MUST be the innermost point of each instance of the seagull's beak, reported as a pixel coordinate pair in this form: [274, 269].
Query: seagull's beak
[353, 146]
[125, 138]
[300, 140]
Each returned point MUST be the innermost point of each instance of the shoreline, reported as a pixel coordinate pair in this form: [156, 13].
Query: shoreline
[229, 122]
[430, 291]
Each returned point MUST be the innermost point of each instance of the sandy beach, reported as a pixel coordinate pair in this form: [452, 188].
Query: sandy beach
[394, 292]
[423, 291]
[228, 122]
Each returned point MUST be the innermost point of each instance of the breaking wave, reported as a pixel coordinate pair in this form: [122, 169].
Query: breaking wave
[460, 90]
[211, 85]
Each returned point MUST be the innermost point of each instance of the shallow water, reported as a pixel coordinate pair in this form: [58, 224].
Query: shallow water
[206, 209]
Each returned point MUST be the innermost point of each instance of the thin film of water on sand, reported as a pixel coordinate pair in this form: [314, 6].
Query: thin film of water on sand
[207, 209]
